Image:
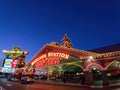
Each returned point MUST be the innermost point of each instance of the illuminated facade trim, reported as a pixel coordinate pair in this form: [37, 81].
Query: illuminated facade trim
[51, 54]
[94, 64]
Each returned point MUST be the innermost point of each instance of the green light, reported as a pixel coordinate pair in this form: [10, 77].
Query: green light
[108, 74]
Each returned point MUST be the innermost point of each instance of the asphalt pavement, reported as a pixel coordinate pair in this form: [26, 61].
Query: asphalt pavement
[54, 85]
[59, 82]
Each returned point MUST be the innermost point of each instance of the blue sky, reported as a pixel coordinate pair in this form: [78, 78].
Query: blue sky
[30, 24]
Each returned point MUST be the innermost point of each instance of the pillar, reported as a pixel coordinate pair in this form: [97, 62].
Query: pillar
[104, 78]
[88, 78]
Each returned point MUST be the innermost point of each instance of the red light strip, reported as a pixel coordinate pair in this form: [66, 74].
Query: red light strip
[95, 64]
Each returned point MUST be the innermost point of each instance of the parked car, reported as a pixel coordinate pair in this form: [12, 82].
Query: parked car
[43, 77]
[14, 79]
[26, 80]
[36, 77]
[9, 77]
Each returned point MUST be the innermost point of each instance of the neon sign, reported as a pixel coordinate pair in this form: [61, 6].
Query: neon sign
[14, 63]
[62, 55]
[8, 63]
[51, 54]
[94, 64]
[19, 52]
[47, 62]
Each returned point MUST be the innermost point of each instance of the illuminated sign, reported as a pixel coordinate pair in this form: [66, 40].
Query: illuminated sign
[62, 55]
[47, 62]
[8, 63]
[14, 54]
[93, 64]
[19, 52]
[16, 49]
[14, 63]
[51, 54]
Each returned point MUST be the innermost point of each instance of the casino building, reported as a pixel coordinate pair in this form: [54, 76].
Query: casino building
[58, 60]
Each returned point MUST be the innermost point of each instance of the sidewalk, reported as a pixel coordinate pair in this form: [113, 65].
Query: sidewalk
[57, 82]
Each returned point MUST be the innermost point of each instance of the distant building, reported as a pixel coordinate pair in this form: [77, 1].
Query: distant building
[106, 49]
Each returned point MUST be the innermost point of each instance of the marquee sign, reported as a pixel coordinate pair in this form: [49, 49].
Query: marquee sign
[15, 52]
[50, 54]
[8, 62]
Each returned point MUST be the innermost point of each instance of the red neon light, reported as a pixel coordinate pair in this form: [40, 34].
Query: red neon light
[93, 63]
[14, 63]
[47, 62]
[116, 71]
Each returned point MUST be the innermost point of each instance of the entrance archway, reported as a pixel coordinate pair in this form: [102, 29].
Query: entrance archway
[113, 71]
[95, 74]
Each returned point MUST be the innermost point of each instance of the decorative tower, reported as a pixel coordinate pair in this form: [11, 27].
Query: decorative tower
[66, 42]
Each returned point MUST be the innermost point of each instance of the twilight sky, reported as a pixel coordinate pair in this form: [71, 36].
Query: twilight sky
[30, 24]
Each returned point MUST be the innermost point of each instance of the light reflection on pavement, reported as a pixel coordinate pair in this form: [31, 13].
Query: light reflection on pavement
[46, 86]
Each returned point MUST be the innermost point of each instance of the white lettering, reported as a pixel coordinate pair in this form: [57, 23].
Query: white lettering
[51, 54]
[63, 55]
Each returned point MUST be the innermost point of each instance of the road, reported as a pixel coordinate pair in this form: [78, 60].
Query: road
[8, 85]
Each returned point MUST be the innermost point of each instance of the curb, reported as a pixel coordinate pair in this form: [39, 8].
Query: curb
[69, 84]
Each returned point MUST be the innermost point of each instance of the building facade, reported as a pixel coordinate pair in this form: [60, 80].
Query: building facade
[59, 60]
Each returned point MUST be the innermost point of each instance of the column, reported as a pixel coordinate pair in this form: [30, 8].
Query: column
[88, 78]
[104, 78]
